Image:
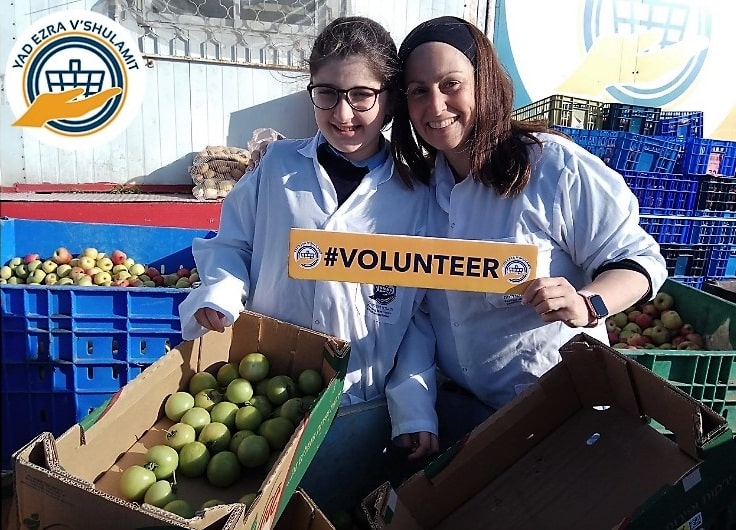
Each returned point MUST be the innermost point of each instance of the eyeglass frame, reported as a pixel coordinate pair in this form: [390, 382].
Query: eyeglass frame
[344, 92]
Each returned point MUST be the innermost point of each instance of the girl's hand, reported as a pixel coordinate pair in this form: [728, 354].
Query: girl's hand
[210, 319]
[419, 444]
[555, 299]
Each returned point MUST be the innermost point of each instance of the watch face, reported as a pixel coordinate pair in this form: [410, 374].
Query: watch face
[599, 305]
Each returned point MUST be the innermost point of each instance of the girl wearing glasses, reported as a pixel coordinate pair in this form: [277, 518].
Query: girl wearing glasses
[342, 179]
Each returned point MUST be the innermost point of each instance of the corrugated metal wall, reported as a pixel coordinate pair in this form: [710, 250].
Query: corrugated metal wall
[189, 103]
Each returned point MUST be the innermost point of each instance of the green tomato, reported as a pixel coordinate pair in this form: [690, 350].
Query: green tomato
[262, 403]
[225, 412]
[162, 460]
[134, 482]
[180, 507]
[224, 469]
[254, 367]
[179, 435]
[248, 417]
[280, 388]
[202, 381]
[193, 459]
[177, 404]
[226, 373]
[239, 391]
[211, 503]
[237, 438]
[254, 451]
[309, 382]
[248, 499]
[160, 494]
[216, 436]
[197, 417]
[208, 398]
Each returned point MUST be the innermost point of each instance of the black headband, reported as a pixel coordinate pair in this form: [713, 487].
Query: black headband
[450, 30]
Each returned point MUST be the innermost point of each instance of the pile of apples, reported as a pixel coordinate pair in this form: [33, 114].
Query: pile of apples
[92, 267]
[653, 325]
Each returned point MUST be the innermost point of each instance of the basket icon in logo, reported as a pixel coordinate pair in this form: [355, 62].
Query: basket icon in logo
[75, 79]
[516, 269]
[307, 254]
[383, 294]
[680, 26]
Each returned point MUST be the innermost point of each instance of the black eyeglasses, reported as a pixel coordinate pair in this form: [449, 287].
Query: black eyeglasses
[360, 98]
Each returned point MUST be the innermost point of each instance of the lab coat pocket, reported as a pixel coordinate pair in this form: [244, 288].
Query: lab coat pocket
[382, 303]
[544, 255]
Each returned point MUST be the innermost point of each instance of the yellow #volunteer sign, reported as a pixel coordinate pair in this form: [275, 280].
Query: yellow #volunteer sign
[410, 261]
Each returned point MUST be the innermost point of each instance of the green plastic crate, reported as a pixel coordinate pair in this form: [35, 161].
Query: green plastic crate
[566, 111]
[708, 376]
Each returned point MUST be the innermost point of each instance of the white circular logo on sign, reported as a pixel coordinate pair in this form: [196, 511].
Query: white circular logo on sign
[75, 79]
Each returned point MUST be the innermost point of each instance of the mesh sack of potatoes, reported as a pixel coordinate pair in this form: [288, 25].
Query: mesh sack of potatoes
[216, 169]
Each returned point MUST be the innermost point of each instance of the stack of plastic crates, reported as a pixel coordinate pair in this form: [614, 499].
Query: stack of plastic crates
[68, 349]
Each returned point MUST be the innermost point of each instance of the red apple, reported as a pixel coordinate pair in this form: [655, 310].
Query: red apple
[152, 272]
[644, 320]
[30, 258]
[650, 309]
[613, 337]
[118, 257]
[61, 256]
[696, 338]
[633, 315]
[686, 329]
[183, 272]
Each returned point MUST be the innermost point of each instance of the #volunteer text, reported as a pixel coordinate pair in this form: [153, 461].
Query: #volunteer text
[442, 264]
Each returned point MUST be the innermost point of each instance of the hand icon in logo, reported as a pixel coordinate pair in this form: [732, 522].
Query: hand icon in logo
[59, 105]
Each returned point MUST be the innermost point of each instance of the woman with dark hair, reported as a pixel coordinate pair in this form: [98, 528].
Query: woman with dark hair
[496, 179]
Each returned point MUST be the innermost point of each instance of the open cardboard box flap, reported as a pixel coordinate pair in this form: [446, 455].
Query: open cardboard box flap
[573, 451]
[75, 478]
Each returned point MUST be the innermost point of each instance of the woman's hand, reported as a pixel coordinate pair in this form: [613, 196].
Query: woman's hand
[210, 319]
[555, 299]
[419, 444]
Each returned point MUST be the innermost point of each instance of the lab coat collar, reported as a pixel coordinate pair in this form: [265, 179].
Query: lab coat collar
[377, 176]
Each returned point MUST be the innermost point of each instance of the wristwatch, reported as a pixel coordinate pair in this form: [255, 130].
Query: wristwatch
[596, 307]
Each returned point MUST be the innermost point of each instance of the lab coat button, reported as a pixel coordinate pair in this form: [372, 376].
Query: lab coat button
[316, 322]
[456, 324]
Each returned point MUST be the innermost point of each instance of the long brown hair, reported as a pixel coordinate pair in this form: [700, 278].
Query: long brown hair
[498, 145]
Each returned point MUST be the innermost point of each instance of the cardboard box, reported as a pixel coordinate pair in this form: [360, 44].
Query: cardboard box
[73, 480]
[303, 514]
[576, 451]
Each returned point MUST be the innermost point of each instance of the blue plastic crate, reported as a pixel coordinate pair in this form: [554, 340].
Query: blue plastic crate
[682, 124]
[662, 193]
[709, 157]
[637, 152]
[718, 261]
[631, 118]
[713, 230]
[716, 194]
[667, 229]
[66, 349]
[695, 282]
